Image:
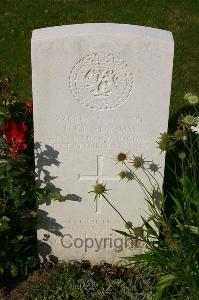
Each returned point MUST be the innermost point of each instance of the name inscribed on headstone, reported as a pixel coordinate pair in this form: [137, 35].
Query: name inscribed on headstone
[106, 135]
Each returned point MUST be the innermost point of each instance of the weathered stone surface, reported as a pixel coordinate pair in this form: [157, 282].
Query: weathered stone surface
[98, 89]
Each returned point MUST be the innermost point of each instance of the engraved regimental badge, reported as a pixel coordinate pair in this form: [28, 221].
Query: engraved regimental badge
[101, 81]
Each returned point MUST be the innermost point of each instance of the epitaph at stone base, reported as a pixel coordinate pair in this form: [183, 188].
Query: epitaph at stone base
[98, 89]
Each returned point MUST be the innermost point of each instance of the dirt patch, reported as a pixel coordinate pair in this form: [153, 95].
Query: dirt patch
[20, 291]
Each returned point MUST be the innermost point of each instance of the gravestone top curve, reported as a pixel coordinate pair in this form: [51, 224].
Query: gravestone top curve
[101, 28]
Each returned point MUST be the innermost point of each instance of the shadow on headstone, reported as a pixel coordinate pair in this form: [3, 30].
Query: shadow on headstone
[45, 253]
[73, 197]
[50, 225]
[44, 158]
[47, 157]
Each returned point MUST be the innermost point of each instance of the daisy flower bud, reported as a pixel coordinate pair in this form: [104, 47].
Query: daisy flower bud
[180, 134]
[166, 233]
[122, 174]
[138, 162]
[121, 157]
[182, 155]
[190, 120]
[99, 189]
[175, 246]
[165, 143]
[192, 99]
[138, 231]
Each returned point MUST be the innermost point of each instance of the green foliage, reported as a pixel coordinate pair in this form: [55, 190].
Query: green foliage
[44, 193]
[4, 114]
[18, 194]
[80, 281]
[171, 234]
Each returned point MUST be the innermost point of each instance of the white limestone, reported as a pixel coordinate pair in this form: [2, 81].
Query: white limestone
[98, 89]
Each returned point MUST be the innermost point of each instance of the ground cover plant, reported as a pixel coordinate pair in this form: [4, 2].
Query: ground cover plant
[171, 236]
[81, 281]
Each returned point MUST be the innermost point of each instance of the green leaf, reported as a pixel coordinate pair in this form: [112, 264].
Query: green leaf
[193, 229]
[14, 173]
[4, 111]
[33, 213]
[39, 195]
[31, 261]
[149, 228]
[4, 226]
[180, 225]
[149, 257]
[1, 121]
[46, 194]
[3, 161]
[55, 196]
[123, 233]
[165, 281]
[14, 270]
[178, 205]
[4, 114]
[20, 237]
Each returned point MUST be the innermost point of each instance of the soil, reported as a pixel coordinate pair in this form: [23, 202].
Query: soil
[19, 291]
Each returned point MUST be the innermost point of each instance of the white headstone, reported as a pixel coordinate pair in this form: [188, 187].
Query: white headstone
[98, 89]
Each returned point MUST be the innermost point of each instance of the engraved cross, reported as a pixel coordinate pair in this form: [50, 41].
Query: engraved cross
[99, 178]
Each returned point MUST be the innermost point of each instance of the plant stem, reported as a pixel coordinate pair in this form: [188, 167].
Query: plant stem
[139, 181]
[114, 208]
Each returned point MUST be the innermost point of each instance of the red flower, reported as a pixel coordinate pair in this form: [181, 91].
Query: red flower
[14, 132]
